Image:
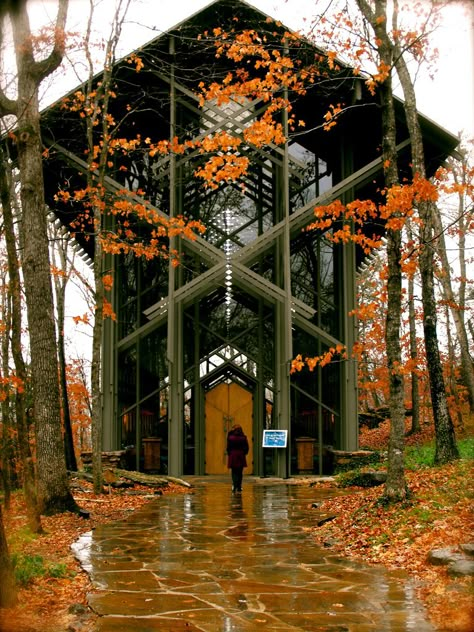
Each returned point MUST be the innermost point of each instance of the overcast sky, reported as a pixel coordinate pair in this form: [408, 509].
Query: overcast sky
[448, 98]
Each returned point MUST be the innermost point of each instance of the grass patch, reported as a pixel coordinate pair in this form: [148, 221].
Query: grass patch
[353, 478]
[30, 567]
[421, 456]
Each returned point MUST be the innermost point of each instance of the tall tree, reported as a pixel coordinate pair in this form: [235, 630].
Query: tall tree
[61, 274]
[461, 173]
[395, 487]
[415, 386]
[7, 582]
[28, 470]
[53, 487]
[97, 103]
[6, 439]
[446, 448]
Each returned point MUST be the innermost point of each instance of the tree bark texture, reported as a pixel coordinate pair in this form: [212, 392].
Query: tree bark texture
[446, 448]
[53, 487]
[6, 440]
[60, 283]
[26, 457]
[7, 582]
[415, 383]
[96, 181]
[452, 370]
[456, 306]
[395, 486]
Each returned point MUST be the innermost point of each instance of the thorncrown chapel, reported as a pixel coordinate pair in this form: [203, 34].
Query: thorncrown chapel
[201, 346]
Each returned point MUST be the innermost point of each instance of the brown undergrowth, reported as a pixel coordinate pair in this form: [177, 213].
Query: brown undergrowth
[439, 514]
[44, 602]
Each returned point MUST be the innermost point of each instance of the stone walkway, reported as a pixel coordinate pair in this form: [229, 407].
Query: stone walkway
[213, 561]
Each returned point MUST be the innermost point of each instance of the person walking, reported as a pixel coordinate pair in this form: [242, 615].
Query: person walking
[237, 449]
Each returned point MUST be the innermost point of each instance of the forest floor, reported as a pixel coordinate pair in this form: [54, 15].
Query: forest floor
[440, 514]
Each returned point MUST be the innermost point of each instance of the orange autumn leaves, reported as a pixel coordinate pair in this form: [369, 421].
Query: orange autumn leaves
[298, 363]
[125, 238]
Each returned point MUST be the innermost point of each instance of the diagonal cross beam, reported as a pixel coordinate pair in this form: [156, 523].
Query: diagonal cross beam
[303, 216]
[209, 253]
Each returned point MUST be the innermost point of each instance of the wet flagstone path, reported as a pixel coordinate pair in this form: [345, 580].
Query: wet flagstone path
[213, 561]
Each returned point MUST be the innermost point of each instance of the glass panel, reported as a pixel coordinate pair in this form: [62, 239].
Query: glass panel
[154, 427]
[153, 282]
[269, 454]
[127, 276]
[230, 216]
[153, 367]
[330, 385]
[306, 345]
[267, 350]
[127, 293]
[129, 430]
[190, 334]
[150, 417]
[127, 318]
[325, 177]
[189, 432]
[127, 378]
[310, 176]
[326, 266]
[127, 385]
[328, 318]
[269, 399]
[304, 419]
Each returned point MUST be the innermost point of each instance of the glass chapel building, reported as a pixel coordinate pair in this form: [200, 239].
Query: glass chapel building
[199, 347]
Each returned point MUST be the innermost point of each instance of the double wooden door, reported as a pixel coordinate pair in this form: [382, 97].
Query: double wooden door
[226, 405]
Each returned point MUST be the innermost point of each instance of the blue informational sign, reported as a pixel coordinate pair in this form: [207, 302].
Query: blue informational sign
[275, 438]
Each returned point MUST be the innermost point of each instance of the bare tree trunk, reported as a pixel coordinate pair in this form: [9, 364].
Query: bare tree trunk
[452, 367]
[457, 307]
[60, 283]
[96, 180]
[6, 452]
[7, 581]
[28, 473]
[446, 448]
[470, 325]
[395, 487]
[415, 386]
[53, 487]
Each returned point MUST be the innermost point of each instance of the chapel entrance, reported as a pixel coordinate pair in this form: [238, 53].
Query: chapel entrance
[226, 404]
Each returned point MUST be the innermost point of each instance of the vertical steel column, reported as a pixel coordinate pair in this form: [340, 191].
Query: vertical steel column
[259, 402]
[110, 430]
[349, 426]
[174, 340]
[283, 320]
[349, 433]
[198, 399]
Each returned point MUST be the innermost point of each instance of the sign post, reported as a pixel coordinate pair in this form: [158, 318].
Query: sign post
[275, 438]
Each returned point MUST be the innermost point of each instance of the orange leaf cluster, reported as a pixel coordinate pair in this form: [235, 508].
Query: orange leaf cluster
[10, 385]
[331, 116]
[222, 168]
[299, 363]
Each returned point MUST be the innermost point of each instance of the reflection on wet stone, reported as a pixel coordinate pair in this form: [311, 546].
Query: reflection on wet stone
[209, 561]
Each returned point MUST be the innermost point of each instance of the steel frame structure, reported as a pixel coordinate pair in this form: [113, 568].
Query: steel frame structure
[251, 293]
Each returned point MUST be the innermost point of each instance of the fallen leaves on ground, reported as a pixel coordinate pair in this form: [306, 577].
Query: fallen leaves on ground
[43, 604]
[377, 438]
[439, 515]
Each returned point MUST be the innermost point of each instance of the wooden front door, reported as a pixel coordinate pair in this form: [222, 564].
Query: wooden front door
[226, 405]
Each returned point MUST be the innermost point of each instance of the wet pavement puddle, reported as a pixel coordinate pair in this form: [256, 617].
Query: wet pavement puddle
[213, 561]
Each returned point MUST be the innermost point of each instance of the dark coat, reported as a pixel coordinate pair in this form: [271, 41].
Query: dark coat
[237, 448]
